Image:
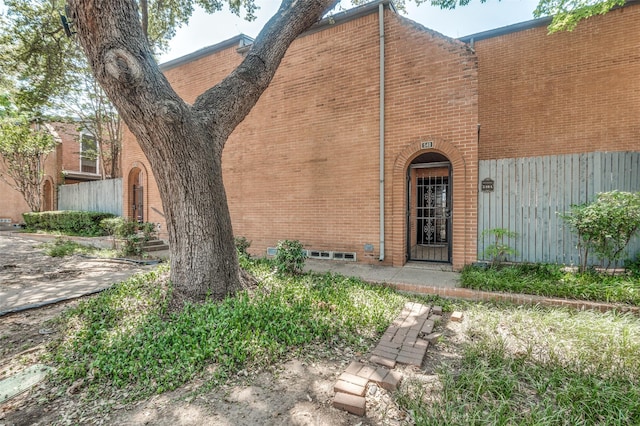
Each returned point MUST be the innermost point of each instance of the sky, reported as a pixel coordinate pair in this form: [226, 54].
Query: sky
[206, 30]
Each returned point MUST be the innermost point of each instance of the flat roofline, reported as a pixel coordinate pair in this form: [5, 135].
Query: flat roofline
[521, 26]
[513, 28]
[239, 41]
[349, 15]
[243, 41]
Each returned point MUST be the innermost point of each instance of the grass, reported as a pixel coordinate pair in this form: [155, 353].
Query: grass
[61, 247]
[124, 338]
[552, 281]
[535, 366]
[517, 365]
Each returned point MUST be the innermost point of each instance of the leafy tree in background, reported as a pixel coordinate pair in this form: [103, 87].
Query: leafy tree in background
[24, 148]
[51, 79]
[567, 13]
[95, 114]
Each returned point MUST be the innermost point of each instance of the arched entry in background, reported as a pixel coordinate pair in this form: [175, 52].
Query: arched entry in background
[47, 196]
[429, 204]
[136, 194]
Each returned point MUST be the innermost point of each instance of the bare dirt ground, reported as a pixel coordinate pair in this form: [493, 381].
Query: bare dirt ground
[296, 391]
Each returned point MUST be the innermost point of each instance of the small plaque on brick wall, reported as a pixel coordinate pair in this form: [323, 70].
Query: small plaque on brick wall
[426, 145]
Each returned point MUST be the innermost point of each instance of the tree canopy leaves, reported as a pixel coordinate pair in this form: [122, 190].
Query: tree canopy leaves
[567, 13]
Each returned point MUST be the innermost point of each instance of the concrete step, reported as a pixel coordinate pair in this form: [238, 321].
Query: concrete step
[155, 245]
[156, 248]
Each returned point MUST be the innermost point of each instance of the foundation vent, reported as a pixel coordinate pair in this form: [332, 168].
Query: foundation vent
[272, 251]
[321, 254]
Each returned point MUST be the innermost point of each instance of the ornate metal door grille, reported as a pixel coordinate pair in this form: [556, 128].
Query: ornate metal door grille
[430, 213]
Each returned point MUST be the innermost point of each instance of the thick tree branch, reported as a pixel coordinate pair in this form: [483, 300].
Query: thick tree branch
[123, 63]
[229, 102]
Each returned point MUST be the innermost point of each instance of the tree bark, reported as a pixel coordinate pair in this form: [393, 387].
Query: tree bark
[182, 142]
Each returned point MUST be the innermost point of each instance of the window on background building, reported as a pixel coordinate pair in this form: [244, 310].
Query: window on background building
[88, 154]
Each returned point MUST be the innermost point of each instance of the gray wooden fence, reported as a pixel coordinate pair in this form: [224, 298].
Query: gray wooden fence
[96, 196]
[530, 192]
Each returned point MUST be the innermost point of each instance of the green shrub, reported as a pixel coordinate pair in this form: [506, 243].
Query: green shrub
[633, 266]
[133, 234]
[242, 245]
[606, 225]
[498, 251]
[85, 224]
[290, 257]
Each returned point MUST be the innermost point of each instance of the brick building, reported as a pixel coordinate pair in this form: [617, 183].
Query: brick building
[380, 140]
[64, 165]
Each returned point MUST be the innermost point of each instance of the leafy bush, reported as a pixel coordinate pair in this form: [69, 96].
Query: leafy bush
[633, 266]
[242, 245]
[85, 224]
[290, 257]
[133, 234]
[606, 225]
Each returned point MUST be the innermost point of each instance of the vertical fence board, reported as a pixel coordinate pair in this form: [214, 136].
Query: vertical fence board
[530, 193]
[98, 196]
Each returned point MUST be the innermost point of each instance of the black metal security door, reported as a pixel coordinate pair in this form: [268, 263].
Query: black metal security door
[430, 216]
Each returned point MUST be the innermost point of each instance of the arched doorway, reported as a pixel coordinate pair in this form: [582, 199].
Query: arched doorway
[429, 204]
[47, 196]
[136, 195]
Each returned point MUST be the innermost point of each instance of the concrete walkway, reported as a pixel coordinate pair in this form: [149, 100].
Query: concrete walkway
[36, 286]
[20, 299]
[418, 273]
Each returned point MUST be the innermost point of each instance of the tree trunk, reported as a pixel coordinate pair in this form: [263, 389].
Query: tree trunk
[203, 256]
[184, 143]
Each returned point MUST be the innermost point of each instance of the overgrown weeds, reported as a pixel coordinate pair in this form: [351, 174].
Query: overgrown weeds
[534, 366]
[124, 338]
[61, 247]
[552, 281]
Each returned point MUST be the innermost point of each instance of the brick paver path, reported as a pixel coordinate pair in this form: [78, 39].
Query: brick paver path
[405, 342]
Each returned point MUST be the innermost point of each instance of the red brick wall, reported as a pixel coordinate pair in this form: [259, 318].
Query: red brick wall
[568, 92]
[305, 163]
[432, 97]
[68, 135]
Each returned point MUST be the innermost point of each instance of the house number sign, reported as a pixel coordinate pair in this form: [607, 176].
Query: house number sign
[487, 185]
[426, 145]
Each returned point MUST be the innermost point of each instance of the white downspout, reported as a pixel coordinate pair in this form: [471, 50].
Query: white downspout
[381, 23]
